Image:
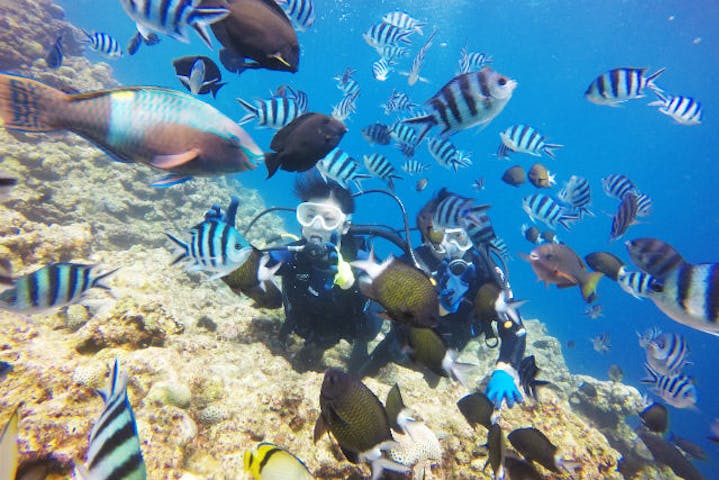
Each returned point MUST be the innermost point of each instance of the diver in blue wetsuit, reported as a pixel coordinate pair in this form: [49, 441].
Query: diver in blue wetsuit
[460, 269]
[320, 294]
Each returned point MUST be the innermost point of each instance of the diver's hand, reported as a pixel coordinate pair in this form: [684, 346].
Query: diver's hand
[503, 387]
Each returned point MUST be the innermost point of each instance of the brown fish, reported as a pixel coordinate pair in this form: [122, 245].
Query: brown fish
[540, 177]
[303, 142]
[404, 291]
[485, 301]
[558, 264]
[605, 262]
[255, 280]
[163, 128]
[421, 184]
[514, 176]
[258, 30]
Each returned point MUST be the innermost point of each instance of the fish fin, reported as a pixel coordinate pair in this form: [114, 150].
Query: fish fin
[29, 105]
[168, 162]
[278, 56]
[185, 80]
[654, 76]
[381, 464]
[272, 162]
[98, 279]
[589, 289]
[428, 121]
[201, 18]
[565, 275]
[144, 31]
[321, 428]
[170, 180]
[182, 244]
[550, 147]
[215, 87]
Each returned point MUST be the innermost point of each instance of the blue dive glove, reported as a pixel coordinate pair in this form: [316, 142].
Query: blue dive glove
[453, 286]
[502, 387]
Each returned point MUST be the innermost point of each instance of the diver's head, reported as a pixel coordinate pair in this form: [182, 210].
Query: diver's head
[326, 209]
[449, 243]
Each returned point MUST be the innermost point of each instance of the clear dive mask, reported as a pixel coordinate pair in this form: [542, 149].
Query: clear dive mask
[320, 215]
[456, 241]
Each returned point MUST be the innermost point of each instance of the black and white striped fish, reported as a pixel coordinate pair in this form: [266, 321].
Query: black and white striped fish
[214, 247]
[341, 168]
[275, 112]
[455, 211]
[414, 167]
[302, 12]
[381, 34]
[348, 85]
[636, 284]
[172, 17]
[104, 43]
[391, 52]
[617, 186]
[469, 99]
[407, 149]
[644, 205]
[667, 352]
[499, 245]
[577, 194]
[684, 110]
[545, 209]
[654, 256]
[413, 74]
[398, 101]
[377, 133]
[621, 84]
[381, 69]
[379, 166]
[442, 150]
[403, 21]
[298, 96]
[114, 452]
[345, 107]
[480, 229]
[53, 285]
[626, 215]
[525, 139]
[679, 391]
[472, 61]
[403, 133]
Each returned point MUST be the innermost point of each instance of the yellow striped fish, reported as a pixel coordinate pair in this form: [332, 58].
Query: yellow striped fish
[272, 462]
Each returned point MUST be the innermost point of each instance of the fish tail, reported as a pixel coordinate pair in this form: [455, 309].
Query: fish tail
[427, 122]
[550, 147]
[98, 279]
[653, 375]
[658, 103]
[589, 288]
[272, 162]
[252, 111]
[28, 105]
[654, 76]
[567, 218]
[215, 87]
[502, 151]
[183, 245]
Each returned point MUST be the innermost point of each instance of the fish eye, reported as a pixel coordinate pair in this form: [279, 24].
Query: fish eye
[238, 246]
[549, 256]
[502, 81]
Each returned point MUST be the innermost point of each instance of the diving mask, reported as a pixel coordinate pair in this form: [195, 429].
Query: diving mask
[321, 215]
[455, 242]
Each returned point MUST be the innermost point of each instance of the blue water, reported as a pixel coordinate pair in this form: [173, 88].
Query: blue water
[553, 49]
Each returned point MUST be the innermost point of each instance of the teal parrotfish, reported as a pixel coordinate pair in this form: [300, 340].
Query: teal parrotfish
[165, 129]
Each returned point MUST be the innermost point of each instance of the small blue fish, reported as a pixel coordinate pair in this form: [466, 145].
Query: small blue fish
[684, 110]
[104, 43]
[55, 55]
[621, 84]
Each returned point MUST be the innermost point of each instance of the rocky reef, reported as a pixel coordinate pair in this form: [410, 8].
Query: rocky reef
[208, 375]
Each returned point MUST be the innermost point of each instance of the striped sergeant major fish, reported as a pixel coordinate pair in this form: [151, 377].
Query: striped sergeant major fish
[414, 167]
[302, 12]
[445, 153]
[407, 149]
[469, 99]
[345, 107]
[413, 74]
[275, 112]
[398, 101]
[545, 209]
[683, 110]
[472, 61]
[165, 129]
[300, 97]
[656, 257]
[679, 391]
[54, 285]
[104, 43]
[382, 34]
[404, 21]
[644, 205]
[617, 186]
[381, 69]
[636, 284]
[379, 166]
[577, 194]
[667, 352]
[525, 139]
[499, 245]
[626, 215]
[391, 52]
[377, 133]
[455, 211]
[341, 168]
[621, 84]
[480, 229]
[114, 452]
[403, 134]
[172, 17]
[349, 87]
[215, 246]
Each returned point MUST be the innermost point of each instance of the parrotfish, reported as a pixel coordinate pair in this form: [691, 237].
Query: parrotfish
[162, 128]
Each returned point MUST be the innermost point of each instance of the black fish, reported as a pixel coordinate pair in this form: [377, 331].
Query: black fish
[518, 469]
[477, 409]
[535, 447]
[257, 30]
[655, 417]
[691, 449]
[528, 371]
[137, 40]
[394, 406]
[55, 56]
[303, 142]
[497, 449]
[606, 263]
[669, 455]
[213, 77]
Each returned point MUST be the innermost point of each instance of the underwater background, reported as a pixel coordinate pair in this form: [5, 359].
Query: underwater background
[73, 203]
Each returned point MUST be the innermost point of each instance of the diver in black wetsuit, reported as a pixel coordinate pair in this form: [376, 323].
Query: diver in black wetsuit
[460, 269]
[321, 297]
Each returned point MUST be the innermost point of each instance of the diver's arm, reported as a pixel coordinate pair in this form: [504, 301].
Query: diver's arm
[514, 340]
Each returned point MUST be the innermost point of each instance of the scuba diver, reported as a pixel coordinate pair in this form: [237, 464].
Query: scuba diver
[320, 295]
[473, 293]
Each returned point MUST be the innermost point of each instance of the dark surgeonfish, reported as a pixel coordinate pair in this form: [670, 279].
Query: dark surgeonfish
[497, 448]
[136, 41]
[210, 82]
[258, 30]
[655, 417]
[114, 452]
[404, 291]
[477, 409]
[528, 372]
[606, 263]
[303, 142]
[55, 55]
[536, 447]
[467, 100]
[162, 128]
[426, 347]
[53, 285]
[669, 455]
[357, 420]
